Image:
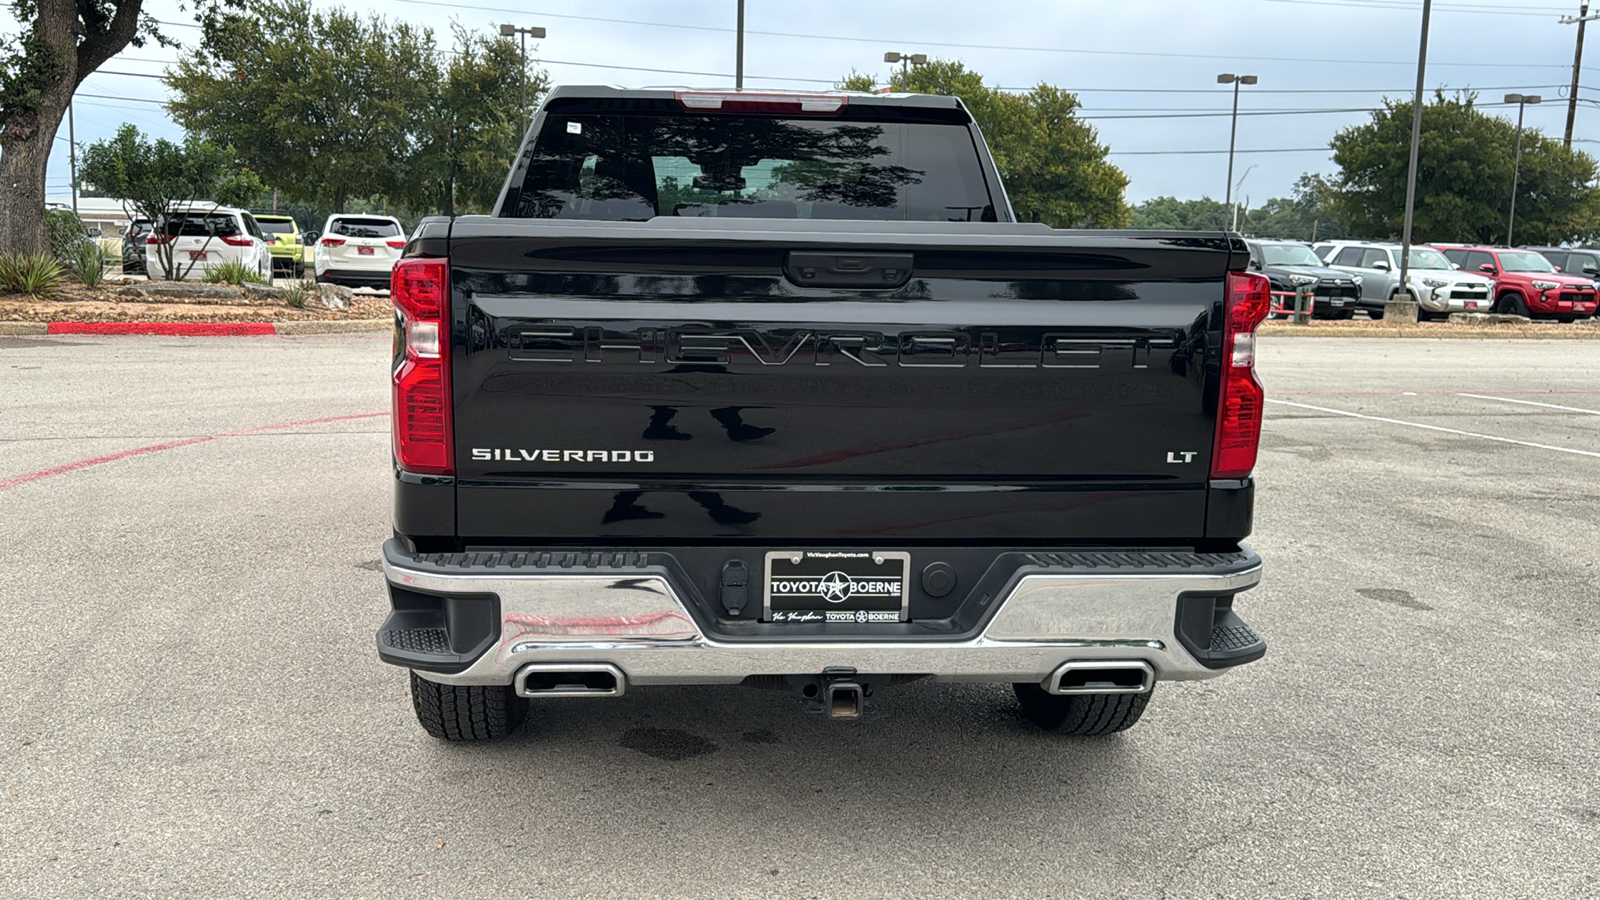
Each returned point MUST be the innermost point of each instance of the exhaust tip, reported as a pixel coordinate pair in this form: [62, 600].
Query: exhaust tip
[570, 680]
[1097, 677]
[843, 700]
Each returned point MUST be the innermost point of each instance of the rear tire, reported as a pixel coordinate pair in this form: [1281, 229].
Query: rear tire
[1080, 715]
[452, 712]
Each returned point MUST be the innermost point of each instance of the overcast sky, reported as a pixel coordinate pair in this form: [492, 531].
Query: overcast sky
[1145, 70]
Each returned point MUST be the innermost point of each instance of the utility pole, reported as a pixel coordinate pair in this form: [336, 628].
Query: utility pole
[72, 154]
[1522, 101]
[1233, 142]
[1411, 173]
[1581, 20]
[524, 34]
[738, 53]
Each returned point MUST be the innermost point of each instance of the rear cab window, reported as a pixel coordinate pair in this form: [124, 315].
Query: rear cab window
[277, 226]
[202, 225]
[663, 160]
[356, 227]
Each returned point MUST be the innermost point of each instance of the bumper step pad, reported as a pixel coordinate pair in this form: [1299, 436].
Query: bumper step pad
[432, 641]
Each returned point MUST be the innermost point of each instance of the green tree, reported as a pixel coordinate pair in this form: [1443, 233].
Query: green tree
[153, 177]
[1464, 177]
[1053, 164]
[467, 131]
[1172, 214]
[1305, 215]
[59, 45]
[324, 104]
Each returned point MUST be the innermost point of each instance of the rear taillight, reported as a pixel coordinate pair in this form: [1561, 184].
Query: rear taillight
[1242, 400]
[332, 242]
[237, 240]
[155, 238]
[422, 435]
[398, 245]
[762, 102]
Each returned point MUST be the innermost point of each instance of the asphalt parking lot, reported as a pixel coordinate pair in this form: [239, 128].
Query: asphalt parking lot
[192, 704]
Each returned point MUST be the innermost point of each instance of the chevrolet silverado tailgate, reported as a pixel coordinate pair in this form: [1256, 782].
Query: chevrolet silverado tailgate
[778, 380]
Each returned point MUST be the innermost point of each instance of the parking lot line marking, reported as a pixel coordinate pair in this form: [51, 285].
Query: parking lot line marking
[1441, 428]
[7, 484]
[1576, 409]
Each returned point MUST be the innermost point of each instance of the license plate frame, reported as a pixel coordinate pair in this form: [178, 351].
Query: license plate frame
[819, 587]
[196, 254]
[366, 251]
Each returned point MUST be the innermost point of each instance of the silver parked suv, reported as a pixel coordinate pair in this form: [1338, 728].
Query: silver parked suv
[1440, 288]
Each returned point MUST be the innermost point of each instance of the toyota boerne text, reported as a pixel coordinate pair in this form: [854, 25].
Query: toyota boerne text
[739, 387]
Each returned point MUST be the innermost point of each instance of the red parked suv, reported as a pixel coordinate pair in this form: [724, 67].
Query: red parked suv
[1526, 284]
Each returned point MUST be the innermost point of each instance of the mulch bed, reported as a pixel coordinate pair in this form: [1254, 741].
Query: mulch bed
[76, 303]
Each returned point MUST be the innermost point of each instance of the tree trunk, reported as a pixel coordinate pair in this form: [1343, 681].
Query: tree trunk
[22, 172]
[338, 199]
[450, 190]
[27, 136]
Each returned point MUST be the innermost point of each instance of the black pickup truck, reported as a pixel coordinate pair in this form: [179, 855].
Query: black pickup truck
[773, 389]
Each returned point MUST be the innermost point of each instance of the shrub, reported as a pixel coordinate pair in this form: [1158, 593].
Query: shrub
[88, 261]
[67, 233]
[234, 272]
[36, 274]
[299, 294]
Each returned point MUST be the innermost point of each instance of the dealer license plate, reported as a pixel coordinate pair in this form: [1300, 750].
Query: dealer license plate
[1471, 304]
[821, 586]
[197, 254]
[364, 251]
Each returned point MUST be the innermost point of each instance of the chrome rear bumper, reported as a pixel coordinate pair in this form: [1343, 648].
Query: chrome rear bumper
[638, 624]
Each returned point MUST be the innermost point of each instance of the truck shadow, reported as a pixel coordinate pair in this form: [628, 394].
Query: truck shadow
[923, 745]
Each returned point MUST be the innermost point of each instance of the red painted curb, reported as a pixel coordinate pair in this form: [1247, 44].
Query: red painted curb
[180, 329]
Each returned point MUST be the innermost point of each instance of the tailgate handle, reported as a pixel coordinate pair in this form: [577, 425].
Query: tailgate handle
[862, 270]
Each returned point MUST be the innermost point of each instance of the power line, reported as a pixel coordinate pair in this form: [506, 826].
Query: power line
[1212, 152]
[1406, 7]
[925, 43]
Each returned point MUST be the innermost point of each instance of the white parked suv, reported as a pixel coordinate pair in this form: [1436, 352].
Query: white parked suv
[1437, 283]
[204, 236]
[358, 251]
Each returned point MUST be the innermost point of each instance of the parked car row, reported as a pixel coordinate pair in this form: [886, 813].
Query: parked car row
[352, 250]
[1346, 276]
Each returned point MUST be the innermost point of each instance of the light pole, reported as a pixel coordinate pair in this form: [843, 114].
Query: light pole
[523, 34]
[1236, 81]
[906, 60]
[738, 52]
[1522, 101]
[1237, 189]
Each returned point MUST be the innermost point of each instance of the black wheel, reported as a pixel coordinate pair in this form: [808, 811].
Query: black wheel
[299, 271]
[1345, 314]
[1080, 715]
[1512, 304]
[462, 713]
[1566, 320]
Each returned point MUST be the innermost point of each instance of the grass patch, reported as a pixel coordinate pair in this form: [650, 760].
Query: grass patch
[299, 294]
[38, 275]
[88, 261]
[234, 272]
